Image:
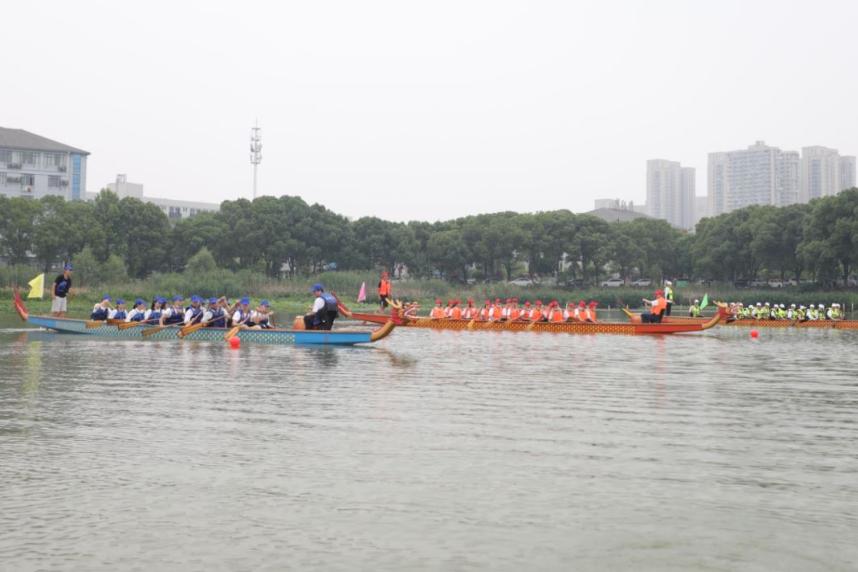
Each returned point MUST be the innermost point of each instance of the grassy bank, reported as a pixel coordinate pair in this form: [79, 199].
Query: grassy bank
[292, 296]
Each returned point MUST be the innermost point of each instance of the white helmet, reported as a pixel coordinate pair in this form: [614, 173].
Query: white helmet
[782, 306]
[821, 306]
[802, 308]
[812, 306]
[697, 301]
[758, 304]
[767, 303]
[668, 283]
[793, 306]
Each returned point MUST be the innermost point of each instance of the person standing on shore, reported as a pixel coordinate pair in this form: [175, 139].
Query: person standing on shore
[668, 296]
[383, 291]
[60, 290]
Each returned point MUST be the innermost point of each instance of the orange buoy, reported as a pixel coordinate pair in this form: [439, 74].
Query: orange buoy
[298, 324]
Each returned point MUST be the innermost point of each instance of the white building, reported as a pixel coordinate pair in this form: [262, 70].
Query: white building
[820, 173]
[606, 203]
[847, 172]
[173, 208]
[758, 175]
[701, 209]
[670, 192]
[33, 167]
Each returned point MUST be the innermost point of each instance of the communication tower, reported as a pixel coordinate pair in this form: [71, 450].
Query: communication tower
[255, 151]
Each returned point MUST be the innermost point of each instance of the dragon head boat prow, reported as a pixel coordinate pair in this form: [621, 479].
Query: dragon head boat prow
[19, 306]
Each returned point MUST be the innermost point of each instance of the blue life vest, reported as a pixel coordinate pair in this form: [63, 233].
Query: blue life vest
[194, 312]
[119, 315]
[155, 315]
[218, 319]
[242, 317]
[138, 317]
[62, 287]
[330, 302]
[264, 324]
[99, 314]
[176, 316]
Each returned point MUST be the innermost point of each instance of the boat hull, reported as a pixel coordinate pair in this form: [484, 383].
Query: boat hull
[558, 327]
[274, 337]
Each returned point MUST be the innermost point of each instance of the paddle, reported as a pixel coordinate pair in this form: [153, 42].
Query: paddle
[191, 329]
[126, 325]
[235, 330]
[155, 330]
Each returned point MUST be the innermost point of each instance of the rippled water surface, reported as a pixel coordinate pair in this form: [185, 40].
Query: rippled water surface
[431, 451]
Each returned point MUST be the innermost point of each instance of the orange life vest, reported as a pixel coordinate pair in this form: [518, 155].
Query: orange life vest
[556, 315]
[486, 313]
[497, 313]
[659, 305]
[384, 288]
[437, 312]
[592, 314]
[535, 315]
[469, 313]
[514, 313]
[456, 313]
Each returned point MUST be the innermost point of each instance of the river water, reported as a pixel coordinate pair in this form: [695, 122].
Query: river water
[431, 451]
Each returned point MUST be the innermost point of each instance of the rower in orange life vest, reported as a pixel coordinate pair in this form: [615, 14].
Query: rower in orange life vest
[658, 306]
[456, 311]
[555, 314]
[579, 314]
[591, 312]
[384, 290]
[497, 310]
[470, 312]
[438, 311]
[514, 311]
[448, 310]
[486, 311]
[535, 313]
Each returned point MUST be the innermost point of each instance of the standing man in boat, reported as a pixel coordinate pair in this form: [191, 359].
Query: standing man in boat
[60, 289]
[383, 291]
[668, 296]
[324, 311]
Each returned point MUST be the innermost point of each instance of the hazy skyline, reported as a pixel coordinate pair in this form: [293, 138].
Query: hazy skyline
[425, 111]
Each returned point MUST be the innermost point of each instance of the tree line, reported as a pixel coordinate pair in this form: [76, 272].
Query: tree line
[285, 236]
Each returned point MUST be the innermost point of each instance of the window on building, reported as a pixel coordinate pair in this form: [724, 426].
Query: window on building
[5, 156]
[30, 158]
[15, 157]
[53, 181]
[2, 178]
[184, 209]
[28, 180]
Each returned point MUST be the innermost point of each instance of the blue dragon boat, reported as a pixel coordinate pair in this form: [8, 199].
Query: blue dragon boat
[272, 336]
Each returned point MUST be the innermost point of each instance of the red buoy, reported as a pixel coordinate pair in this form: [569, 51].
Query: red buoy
[235, 342]
[755, 334]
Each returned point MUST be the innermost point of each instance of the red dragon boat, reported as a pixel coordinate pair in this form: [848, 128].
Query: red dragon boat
[526, 326]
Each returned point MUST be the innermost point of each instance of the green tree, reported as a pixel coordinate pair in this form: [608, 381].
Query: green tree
[86, 268]
[448, 252]
[17, 227]
[146, 232]
[202, 262]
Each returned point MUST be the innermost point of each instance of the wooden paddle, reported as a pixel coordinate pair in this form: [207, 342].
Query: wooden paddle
[126, 325]
[231, 333]
[157, 329]
[191, 329]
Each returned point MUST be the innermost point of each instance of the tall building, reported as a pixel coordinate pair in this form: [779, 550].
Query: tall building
[758, 175]
[670, 192]
[820, 173]
[701, 209]
[847, 172]
[32, 166]
[173, 208]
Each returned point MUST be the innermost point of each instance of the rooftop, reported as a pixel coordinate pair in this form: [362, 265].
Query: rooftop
[24, 140]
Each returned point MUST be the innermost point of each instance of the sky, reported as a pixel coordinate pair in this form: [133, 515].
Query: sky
[425, 110]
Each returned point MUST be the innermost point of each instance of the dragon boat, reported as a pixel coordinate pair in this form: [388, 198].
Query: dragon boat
[730, 320]
[526, 326]
[148, 332]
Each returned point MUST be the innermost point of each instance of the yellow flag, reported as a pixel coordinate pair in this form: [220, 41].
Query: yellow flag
[37, 287]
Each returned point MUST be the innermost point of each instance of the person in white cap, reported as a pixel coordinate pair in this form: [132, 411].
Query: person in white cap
[668, 295]
[694, 310]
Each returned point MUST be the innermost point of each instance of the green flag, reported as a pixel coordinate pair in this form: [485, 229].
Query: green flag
[705, 301]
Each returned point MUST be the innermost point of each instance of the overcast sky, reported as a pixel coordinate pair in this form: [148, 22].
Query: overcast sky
[425, 110]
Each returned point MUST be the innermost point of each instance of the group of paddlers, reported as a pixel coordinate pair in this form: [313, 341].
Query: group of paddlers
[218, 313]
[801, 313]
[511, 310]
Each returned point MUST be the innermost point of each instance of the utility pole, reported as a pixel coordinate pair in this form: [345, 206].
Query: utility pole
[255, 151]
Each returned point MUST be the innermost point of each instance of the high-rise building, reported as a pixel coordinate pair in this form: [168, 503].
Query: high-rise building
[701, 209]
[670, 192]
[847, 172]
[820, 173]
[758, 175]
[32, 166]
